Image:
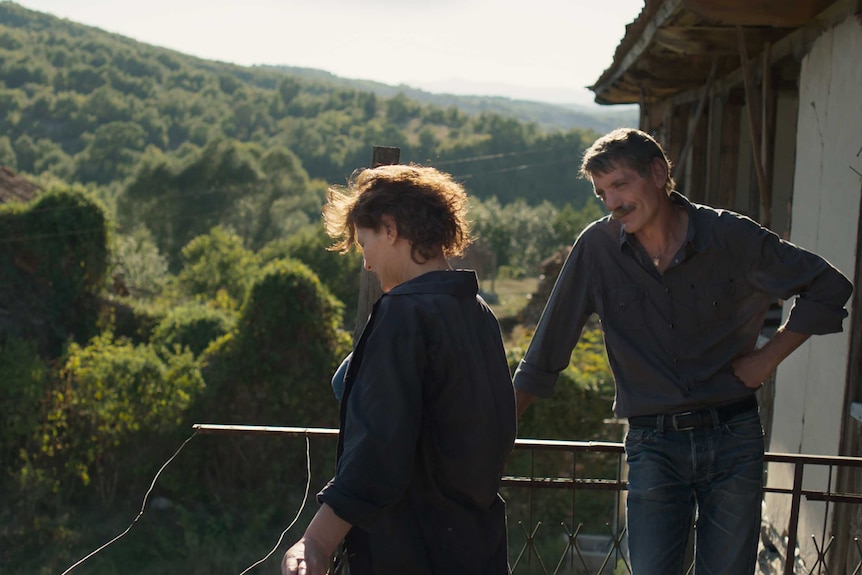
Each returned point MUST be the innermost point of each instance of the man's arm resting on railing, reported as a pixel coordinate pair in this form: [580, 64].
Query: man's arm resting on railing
[310, 555]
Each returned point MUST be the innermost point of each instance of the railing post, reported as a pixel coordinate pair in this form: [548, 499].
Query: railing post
[790, 552]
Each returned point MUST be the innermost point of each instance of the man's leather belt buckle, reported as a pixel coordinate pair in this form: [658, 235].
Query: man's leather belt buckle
[676, 423]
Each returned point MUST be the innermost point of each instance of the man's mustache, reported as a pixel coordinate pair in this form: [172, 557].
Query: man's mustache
[622, 211]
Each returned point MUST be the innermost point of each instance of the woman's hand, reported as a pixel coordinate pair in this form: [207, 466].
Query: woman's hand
[305, 558]
[310, 555]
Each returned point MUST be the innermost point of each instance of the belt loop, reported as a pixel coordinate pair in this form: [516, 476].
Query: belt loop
[716, 421]
[660, 424]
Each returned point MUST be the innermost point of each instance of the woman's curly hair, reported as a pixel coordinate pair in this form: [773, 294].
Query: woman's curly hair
[429, 209]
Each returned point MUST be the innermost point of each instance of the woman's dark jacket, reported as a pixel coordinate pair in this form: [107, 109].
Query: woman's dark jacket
[427, 422]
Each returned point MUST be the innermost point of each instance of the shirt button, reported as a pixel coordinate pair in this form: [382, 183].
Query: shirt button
[670, 325]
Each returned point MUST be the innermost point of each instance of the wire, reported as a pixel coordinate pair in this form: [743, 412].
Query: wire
[298, 513]
[143, 507]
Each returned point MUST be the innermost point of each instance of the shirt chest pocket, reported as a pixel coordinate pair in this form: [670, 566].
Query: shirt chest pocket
[714, 302]
[623, 308]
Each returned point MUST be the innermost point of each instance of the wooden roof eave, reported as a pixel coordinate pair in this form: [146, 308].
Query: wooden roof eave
[774, 13]
[668, 31]
[613, 74]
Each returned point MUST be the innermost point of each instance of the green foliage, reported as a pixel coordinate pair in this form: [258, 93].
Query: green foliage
[339, 272]
[277, 365]
[111, 153]
[217, 262]
[191, 326]
[103, 99]
[510, 272]
[112, 400]
[137, 267]
[53, 256]
[582, 400]
[274, 368]
[8, 157]
[521, 235]
[569, 222]
[24, 376]
[178, 201]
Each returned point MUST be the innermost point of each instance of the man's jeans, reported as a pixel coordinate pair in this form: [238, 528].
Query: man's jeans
[716, 472]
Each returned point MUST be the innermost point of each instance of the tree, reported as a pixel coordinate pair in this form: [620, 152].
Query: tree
[180, 200]
[137, 264]
[340, 273]
[111, 153]
[217, 262]
[7, 154]
[569, 222]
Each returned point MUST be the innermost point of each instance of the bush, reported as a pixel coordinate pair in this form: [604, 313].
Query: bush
[340, 273]
[23, 380]
[274, 368]
[193, 326]
[217, 265]
[101, 420]
[53, 256]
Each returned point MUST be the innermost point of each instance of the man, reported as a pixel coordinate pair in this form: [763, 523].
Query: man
[681, 291]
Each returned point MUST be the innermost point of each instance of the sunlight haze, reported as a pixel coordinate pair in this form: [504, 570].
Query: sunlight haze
[545, 50]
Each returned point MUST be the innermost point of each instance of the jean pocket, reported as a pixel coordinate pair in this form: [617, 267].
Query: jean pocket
[745, 426]
[639, 442]
[637, 435]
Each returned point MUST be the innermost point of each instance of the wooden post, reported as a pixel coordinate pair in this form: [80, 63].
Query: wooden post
[692, 128]
[767, 135]
[369, 287]
[751, 102]
[728, 160]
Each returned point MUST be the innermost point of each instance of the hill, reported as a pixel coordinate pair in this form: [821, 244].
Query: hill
[83, 105]
[547, 116]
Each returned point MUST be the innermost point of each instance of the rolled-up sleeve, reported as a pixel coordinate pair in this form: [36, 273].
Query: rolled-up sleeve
[821, 290]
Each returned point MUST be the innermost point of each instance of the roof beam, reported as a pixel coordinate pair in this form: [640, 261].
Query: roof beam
[775, 13]
[662, 15]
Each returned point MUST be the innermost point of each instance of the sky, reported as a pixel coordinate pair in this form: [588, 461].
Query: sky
[543, 50]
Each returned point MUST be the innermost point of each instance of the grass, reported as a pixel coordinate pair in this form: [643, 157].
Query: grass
[512, 294]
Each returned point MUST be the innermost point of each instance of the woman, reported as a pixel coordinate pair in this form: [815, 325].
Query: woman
[427, 413]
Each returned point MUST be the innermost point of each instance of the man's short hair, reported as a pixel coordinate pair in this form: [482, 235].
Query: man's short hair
[630, 147]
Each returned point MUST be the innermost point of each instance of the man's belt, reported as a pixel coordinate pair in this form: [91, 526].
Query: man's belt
[687, 420]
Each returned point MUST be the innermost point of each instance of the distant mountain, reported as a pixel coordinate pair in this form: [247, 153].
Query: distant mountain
[547, 116]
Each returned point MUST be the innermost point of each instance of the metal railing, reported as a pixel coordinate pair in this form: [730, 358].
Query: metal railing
[584, 494]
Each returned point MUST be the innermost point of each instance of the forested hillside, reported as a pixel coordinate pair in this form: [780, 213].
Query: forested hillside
[85, 105]
[551, 117]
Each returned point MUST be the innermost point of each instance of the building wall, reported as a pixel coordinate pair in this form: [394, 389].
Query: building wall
[809, 399]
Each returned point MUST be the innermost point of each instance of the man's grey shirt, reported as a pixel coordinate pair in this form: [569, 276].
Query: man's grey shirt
[671, 337]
